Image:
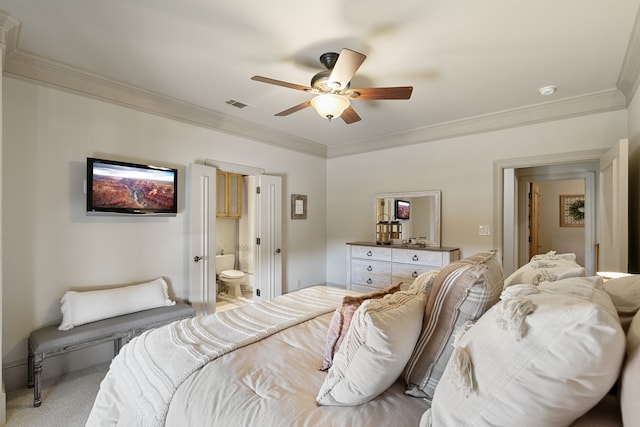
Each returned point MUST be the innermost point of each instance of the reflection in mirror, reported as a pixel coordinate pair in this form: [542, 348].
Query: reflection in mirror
[423, 209]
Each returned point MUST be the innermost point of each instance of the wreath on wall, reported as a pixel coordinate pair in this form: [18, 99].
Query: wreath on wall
[576, 210]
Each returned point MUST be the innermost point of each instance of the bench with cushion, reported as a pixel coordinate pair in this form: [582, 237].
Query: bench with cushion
[50, 341]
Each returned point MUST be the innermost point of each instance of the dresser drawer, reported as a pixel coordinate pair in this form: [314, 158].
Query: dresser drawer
[409, 256]
[406, 273]
[375, 274]
[374, 266]
[371, 252]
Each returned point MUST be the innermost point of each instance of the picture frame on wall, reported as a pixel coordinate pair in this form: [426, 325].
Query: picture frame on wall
[298, 206]
[572, 210]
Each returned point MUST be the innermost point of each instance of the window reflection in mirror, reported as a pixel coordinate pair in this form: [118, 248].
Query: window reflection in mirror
[423, 225]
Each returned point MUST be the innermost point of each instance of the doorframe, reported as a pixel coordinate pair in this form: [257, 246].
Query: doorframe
[234, 167]
[505, 197]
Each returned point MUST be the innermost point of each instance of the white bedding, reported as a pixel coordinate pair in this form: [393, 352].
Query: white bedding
[274, 382]
[257, 365]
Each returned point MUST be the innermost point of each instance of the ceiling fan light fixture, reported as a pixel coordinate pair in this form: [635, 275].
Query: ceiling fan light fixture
[330, 105]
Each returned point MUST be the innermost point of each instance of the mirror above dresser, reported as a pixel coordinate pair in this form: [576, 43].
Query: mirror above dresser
[416, 214]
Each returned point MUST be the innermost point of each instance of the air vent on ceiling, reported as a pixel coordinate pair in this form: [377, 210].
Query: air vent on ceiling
[238, 104]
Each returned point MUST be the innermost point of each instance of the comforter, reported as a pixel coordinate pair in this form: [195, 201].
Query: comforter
[256, 365]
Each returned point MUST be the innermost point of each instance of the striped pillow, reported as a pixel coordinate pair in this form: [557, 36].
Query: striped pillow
[461, 292]
[342, 319]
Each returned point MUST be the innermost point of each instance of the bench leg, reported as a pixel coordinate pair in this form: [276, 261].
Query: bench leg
[117, 346]
[30, 369]
[37, 376]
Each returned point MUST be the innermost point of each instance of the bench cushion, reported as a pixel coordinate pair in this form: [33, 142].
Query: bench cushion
[83, 307]
[51, 339]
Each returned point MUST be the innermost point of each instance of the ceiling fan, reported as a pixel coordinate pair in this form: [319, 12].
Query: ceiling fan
[331, 87]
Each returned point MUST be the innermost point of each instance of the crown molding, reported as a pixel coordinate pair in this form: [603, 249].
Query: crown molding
[33, 68]
[598, 102]
[9, 31]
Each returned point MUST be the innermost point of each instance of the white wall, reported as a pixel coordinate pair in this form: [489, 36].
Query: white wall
[50, 245]
[463, 168]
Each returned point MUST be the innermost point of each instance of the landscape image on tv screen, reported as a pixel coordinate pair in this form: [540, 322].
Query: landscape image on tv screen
[134, 188]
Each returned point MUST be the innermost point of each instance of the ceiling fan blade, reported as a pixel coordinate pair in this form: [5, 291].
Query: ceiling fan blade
[350, 116]
[365, 94]
[293, 109]
[280, 83]
[346, 66]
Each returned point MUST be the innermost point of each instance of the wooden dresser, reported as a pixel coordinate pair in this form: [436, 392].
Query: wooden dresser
[374, 266]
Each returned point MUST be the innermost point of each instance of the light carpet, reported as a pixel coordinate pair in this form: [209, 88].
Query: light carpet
[66, 400]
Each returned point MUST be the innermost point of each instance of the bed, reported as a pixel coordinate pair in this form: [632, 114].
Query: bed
[455, 347]
[263, 369]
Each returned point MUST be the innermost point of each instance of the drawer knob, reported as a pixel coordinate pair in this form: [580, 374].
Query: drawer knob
[369, 253]
[414, 274]
[369, 281]
[369, 268]
[415, 258]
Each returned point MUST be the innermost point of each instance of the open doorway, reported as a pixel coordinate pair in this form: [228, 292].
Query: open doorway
[253, 240]
[605, 173]
[555, 218]
[539, 191]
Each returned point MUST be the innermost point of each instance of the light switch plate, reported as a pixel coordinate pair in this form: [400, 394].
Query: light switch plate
[484, 230]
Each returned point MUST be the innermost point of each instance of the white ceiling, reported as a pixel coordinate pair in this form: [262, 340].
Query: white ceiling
[474, 65]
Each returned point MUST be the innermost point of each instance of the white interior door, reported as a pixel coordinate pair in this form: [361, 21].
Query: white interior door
[613, 221]
[269, 235]
[202, 272]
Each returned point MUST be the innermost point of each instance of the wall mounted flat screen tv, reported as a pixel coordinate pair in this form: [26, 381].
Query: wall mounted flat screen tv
[115, 187]
[402, 209]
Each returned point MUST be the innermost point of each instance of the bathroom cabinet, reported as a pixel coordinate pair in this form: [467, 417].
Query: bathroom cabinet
[374, 266]
[229, 195]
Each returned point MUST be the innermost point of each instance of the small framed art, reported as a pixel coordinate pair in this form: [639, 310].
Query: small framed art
[572, 210]
[298, 206]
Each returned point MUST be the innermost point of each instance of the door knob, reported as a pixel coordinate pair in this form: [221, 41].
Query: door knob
[278, 251]
[198, 258]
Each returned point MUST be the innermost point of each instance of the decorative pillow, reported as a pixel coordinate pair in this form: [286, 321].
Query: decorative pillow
[546, 268]
[461, 292]
[342, 319]
[625, 294]
[542, 356]
[630, 378]
[425, 281]
[378, 344]
[79, 308]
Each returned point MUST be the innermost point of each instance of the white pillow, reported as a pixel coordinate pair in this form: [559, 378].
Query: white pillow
[630, 378]
[547, 267]
[376, 348]
[542, 356]
[79, 308]
[625, 294]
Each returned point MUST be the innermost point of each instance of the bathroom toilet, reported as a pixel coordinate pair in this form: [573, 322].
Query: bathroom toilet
[232, 279]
